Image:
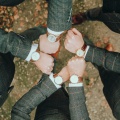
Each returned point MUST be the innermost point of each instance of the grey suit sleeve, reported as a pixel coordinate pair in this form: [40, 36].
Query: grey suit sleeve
[22, 109]
[77, 106]
[101, 57]
[19, 44]
[59, 15]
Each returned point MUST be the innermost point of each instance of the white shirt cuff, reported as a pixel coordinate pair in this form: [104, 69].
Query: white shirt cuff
[54, 32]
[86, 50]
[75, 85]
[33, 49]
[52, 79]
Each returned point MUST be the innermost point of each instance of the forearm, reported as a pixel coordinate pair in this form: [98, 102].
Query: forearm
[59, 15]
[19, 44]
[32, 99]
[77, 106]
[101, 57]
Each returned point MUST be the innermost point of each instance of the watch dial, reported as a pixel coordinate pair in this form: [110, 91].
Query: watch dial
[58, 80]
[74, 79]
[35, 56]
[80, 53]
[51, 38]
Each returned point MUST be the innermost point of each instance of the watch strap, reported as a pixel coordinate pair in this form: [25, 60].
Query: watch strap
[84, 47]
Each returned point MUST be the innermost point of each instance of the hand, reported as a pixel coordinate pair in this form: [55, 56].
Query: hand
[76, 66]
[64, 74]
[73, 41]
[45, 63]
[47, 46]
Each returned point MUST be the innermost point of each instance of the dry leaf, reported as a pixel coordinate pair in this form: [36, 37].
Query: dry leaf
[16, 17]
[106, 40]
[109, 47]
[38, 8]
[98, 44]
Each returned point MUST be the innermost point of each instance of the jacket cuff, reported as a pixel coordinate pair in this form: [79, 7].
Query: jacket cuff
[47, 87]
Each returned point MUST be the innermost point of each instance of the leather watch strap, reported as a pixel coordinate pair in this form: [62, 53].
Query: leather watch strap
[84, 47]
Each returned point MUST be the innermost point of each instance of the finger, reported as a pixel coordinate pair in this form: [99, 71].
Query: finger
[50, 69]
[48, 72]
[52, 65]
[81, 59]
[51, 59]
[76, 32]
[71, 34]
[68, 38]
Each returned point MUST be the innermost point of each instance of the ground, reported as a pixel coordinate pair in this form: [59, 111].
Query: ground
[34, 12]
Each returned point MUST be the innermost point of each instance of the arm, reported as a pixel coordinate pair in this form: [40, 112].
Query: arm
[36, 95]
[77, 106]
[19, 44]
[104, 58]
[22, 109]
[98, 56]
[59, 20]
[59, 15]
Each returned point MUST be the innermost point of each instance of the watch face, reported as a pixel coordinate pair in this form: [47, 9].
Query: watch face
[51, 38]
[35, 56]
[80, 53]
[74, 79]
[58, 80]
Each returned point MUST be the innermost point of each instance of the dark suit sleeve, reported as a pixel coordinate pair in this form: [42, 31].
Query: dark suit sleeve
[19, 45]
[101, 57]
[77, 106]
[59, 15]
[23, 108]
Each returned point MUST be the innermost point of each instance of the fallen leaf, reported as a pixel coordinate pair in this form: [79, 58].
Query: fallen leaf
[109, 47]
[38, 8]
[98, 44]
[16, 17]
[106, 40]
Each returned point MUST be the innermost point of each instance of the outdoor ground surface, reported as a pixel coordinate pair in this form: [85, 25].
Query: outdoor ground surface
[34, 12]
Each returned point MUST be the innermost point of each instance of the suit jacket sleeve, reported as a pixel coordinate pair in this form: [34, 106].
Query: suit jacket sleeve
[19, 44]
[24, 106]
[77, 106]
[59, 15]
[101, 57]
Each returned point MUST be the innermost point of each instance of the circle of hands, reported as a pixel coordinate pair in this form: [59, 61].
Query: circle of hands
[75, 66]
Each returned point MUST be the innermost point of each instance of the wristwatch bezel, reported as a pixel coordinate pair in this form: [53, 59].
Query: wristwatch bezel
[57, 79]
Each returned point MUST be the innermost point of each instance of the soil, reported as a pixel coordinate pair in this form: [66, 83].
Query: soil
[33, 13]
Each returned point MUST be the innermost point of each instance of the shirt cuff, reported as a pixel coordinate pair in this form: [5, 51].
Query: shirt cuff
[54, 32]
[86, 51]
[75, 85]
[52, 79]
[33, 49]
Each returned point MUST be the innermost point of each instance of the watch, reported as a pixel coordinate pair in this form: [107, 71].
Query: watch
[75, 79]
[52, 37]
[81, 52]
[58, 80]
[35, 56]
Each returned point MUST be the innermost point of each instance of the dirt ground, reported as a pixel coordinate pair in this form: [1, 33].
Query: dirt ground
[34, 12]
